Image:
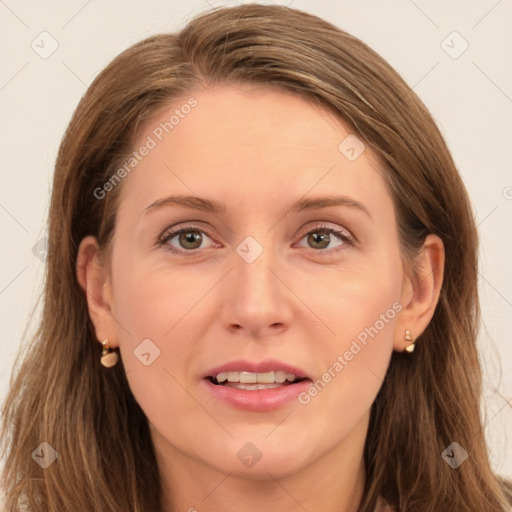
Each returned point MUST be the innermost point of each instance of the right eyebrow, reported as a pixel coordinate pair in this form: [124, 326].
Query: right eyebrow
[189, 202]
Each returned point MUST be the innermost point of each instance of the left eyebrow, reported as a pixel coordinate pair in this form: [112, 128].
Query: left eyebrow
[316, 203]
[212, 206]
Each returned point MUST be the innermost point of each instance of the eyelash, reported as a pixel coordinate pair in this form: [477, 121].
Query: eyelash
[169, 235]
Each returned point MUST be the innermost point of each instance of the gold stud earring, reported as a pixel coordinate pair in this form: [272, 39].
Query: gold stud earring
[408, 337]
[109, 357]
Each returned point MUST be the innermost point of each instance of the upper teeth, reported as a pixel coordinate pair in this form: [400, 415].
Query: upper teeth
[250, 378]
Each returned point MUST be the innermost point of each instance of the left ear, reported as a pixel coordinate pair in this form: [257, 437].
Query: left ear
[420, 292]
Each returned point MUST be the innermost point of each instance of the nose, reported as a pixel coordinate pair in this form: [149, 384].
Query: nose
[258, 299]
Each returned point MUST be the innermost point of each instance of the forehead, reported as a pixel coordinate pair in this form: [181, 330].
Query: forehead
[252, 116]
[244, 141]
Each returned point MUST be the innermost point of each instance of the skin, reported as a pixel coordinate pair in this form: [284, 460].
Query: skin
[257, 150]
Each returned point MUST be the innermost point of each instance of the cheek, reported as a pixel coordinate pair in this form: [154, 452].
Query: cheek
[150, 310]
[359, 303]
[151, 314]
[148, 305]
[360, 307]
[361, 311]
[150, 301]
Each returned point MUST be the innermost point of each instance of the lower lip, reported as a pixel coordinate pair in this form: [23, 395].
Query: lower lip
[259, 399]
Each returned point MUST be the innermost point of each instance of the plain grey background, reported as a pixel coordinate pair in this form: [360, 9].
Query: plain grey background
[455, 55]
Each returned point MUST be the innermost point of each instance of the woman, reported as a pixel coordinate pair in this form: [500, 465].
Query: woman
[261, 288]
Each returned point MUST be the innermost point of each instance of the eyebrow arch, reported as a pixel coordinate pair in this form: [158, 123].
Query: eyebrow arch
[189, 202]
[212, 206]
[317, 203]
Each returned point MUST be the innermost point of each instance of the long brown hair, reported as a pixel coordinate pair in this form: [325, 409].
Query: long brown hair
[429, 399]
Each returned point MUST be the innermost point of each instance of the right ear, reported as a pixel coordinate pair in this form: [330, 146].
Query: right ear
[96, 283]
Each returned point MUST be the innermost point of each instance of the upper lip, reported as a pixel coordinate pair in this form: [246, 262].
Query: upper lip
[269, 365]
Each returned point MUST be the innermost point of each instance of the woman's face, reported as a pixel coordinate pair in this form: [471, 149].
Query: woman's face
[262, 285]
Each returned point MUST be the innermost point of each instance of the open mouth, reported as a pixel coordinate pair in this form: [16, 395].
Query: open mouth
[255, 381]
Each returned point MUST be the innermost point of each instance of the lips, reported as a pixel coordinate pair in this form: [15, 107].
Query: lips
[255, 386]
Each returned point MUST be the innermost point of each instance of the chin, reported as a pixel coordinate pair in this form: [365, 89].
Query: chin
[261, 459]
